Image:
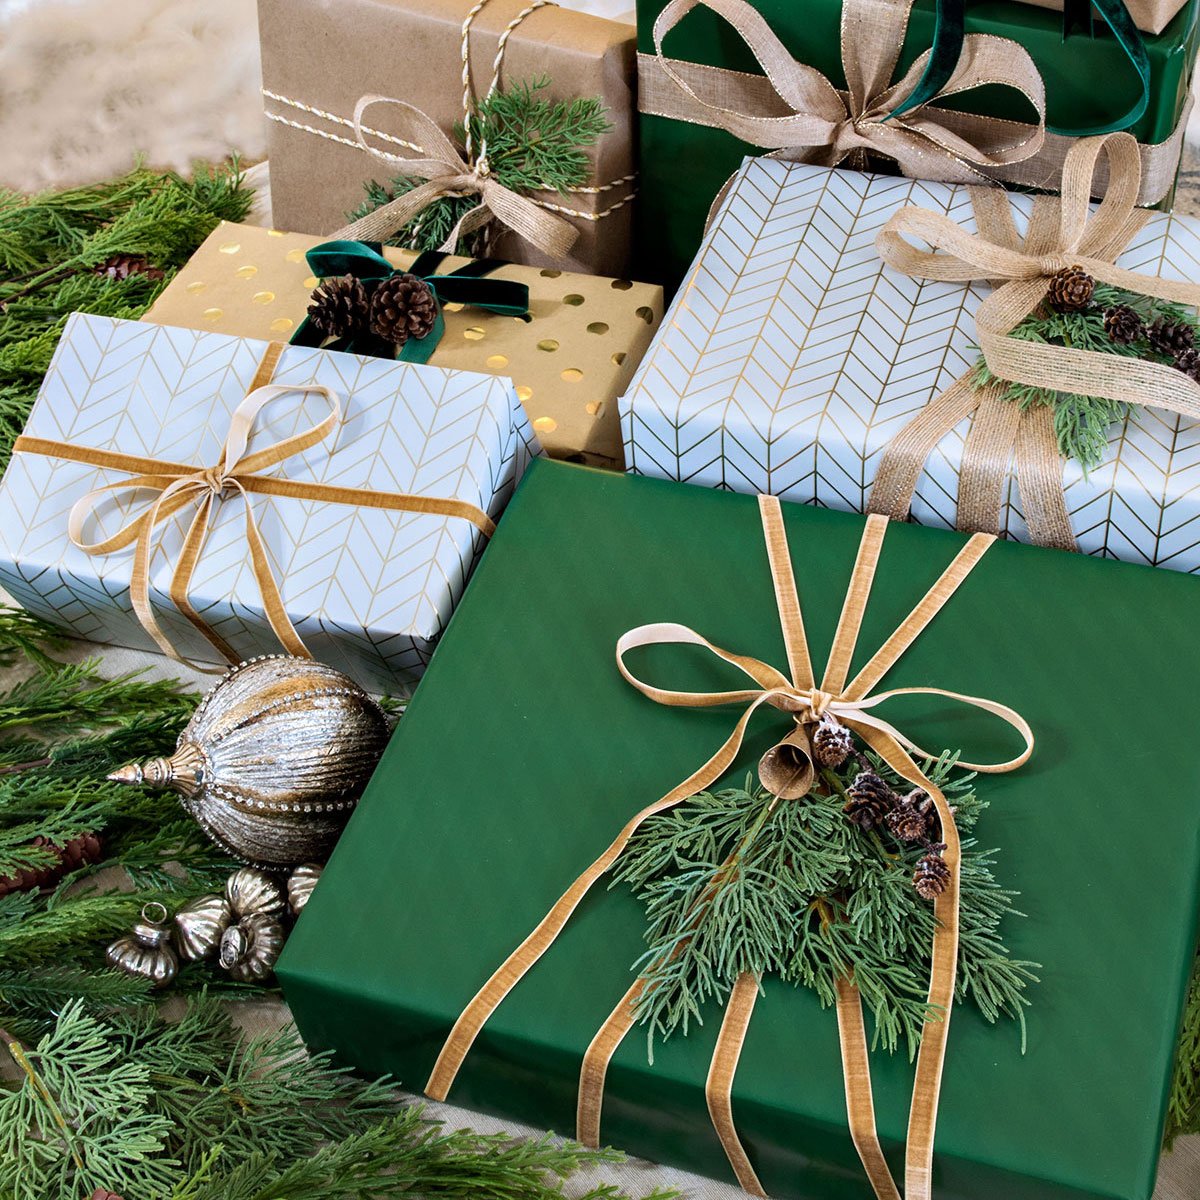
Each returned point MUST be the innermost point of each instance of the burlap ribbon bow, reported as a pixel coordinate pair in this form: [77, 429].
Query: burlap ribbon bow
[236, 472]
[1061, 233]
[799, 115]
[787, 770]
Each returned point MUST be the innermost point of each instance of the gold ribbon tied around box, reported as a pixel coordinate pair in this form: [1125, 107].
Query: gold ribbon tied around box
[782, 771]
[1062, 232]
[174, 486]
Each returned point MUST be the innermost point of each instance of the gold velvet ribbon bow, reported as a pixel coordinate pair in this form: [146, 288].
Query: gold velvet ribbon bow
[177, 485]
[1062, 232]
[798, 114]
[787, 768]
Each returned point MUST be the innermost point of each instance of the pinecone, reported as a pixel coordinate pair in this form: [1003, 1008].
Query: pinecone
[870, 800]
[1123, 325]
[914, 819]
[121, 266]
[1188, 361]
[831, 743]
[1071, 289]
[104, 1194]
[402, 307]
[1169, 337]
[78, 852]
[338, 307]
[932, 876]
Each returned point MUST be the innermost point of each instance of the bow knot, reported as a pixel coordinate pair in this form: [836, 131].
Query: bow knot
[819, 702]
[1051, 264]
[216, 479]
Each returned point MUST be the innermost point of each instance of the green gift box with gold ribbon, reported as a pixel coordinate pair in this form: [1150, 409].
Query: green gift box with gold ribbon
[705, 100]
[526, 751]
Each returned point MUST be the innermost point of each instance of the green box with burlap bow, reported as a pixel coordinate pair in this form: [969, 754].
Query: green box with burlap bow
[846, 82]
[628, 641]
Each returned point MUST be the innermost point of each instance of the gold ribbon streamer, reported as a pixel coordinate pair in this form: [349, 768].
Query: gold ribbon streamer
[796, 112]
[1061, 233]
[177, 485]
[853, 705]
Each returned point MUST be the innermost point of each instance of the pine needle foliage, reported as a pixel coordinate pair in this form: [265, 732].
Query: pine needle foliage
[1183, 1110]
[1081, 423]
[737, 881]
[197, 1111]
[533, 144]
[52, 244]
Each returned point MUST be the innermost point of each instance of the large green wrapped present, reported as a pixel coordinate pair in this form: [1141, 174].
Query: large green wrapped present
[524, 751]
[1091, 85]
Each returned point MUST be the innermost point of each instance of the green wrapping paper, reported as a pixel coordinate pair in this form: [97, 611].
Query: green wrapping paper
[524, 751]
[1089, 81]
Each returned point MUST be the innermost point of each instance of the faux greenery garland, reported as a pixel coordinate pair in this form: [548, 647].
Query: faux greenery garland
[533, 144]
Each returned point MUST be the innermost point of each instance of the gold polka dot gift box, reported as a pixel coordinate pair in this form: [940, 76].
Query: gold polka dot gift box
[569, 359]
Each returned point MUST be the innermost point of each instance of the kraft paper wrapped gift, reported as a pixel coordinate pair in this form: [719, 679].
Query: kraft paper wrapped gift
[319, 58]
[569, 363]
[792, 356]
[367, 589]
[569, 752]
[1153, 16]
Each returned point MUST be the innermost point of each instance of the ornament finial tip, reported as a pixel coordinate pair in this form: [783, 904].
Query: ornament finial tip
[129, 773]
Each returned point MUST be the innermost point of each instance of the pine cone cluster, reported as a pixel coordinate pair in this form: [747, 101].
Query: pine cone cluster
[1188, 361]
[121, 266]
[78, 852]
[338, 307]
[932, 876]
[1169, 337]
[1123, 325]
[402, 307]
[914, 819]
[871, 799]
[1071, 289]
[832, 743]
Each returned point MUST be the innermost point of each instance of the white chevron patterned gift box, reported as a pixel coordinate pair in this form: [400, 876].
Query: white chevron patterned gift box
[792, 355]
[368, 590]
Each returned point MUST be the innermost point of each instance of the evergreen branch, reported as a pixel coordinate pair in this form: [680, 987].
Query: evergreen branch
[1183, 1109]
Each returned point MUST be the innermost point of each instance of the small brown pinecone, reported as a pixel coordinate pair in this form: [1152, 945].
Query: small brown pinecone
[78, 852]
[338, 307]
[121, 266]
[1188, 361]
[914, 818]
[870, 800]
[831, 743]
[402, 307]
[1123, 325]
[1071, 289]
[1169, 337]
[104, 1194]
[932, 876]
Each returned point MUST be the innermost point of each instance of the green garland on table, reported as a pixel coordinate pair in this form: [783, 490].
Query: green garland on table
[1183, 1109]
[533, 144]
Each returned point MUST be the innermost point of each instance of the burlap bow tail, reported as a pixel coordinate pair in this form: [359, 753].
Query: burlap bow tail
[798, 114]
[175, 486]
[1061, 233]
[788, 770]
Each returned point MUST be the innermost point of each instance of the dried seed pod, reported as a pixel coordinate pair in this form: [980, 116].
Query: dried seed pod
[199, 926]
[147, 951]
[832, 742]
[932, 876]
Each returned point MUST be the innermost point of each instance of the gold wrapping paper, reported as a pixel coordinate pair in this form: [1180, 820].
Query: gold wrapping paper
[570, 363]
[319, 58]
[1150, 16]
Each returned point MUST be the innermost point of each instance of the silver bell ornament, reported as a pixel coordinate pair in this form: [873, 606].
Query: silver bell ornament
[250, 948]
[273, 760]
[300, 886]
[147, 951]
[199, 925]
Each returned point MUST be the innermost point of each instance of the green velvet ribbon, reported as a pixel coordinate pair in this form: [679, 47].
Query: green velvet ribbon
[466, 285]
[950, 29]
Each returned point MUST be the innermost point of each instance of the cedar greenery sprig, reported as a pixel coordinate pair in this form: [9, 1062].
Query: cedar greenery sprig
[195, 1110]
[533, 144]
[1183, 1109]
[736, 881]
[1081, 423]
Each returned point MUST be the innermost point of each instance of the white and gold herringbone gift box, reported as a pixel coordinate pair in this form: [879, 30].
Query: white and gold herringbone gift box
[368, 590]
[791, 356]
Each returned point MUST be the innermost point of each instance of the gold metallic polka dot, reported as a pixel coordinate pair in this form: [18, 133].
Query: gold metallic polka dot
[263, 297]
[594, 407]
[622, 285]
[524, 394]
[196, 286]
[572, 375]
[574, 299]
[311, 282]
[246, 272]
[230, 247]
[282, 324]
[497, 361]
[474, 334]
[296, 255]
[647, 314]
[213, 314]
[545, 424]
[274, 233]
[619, 358]
[598, 327]
[453, 307]
[548, 344]
[550, 273]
